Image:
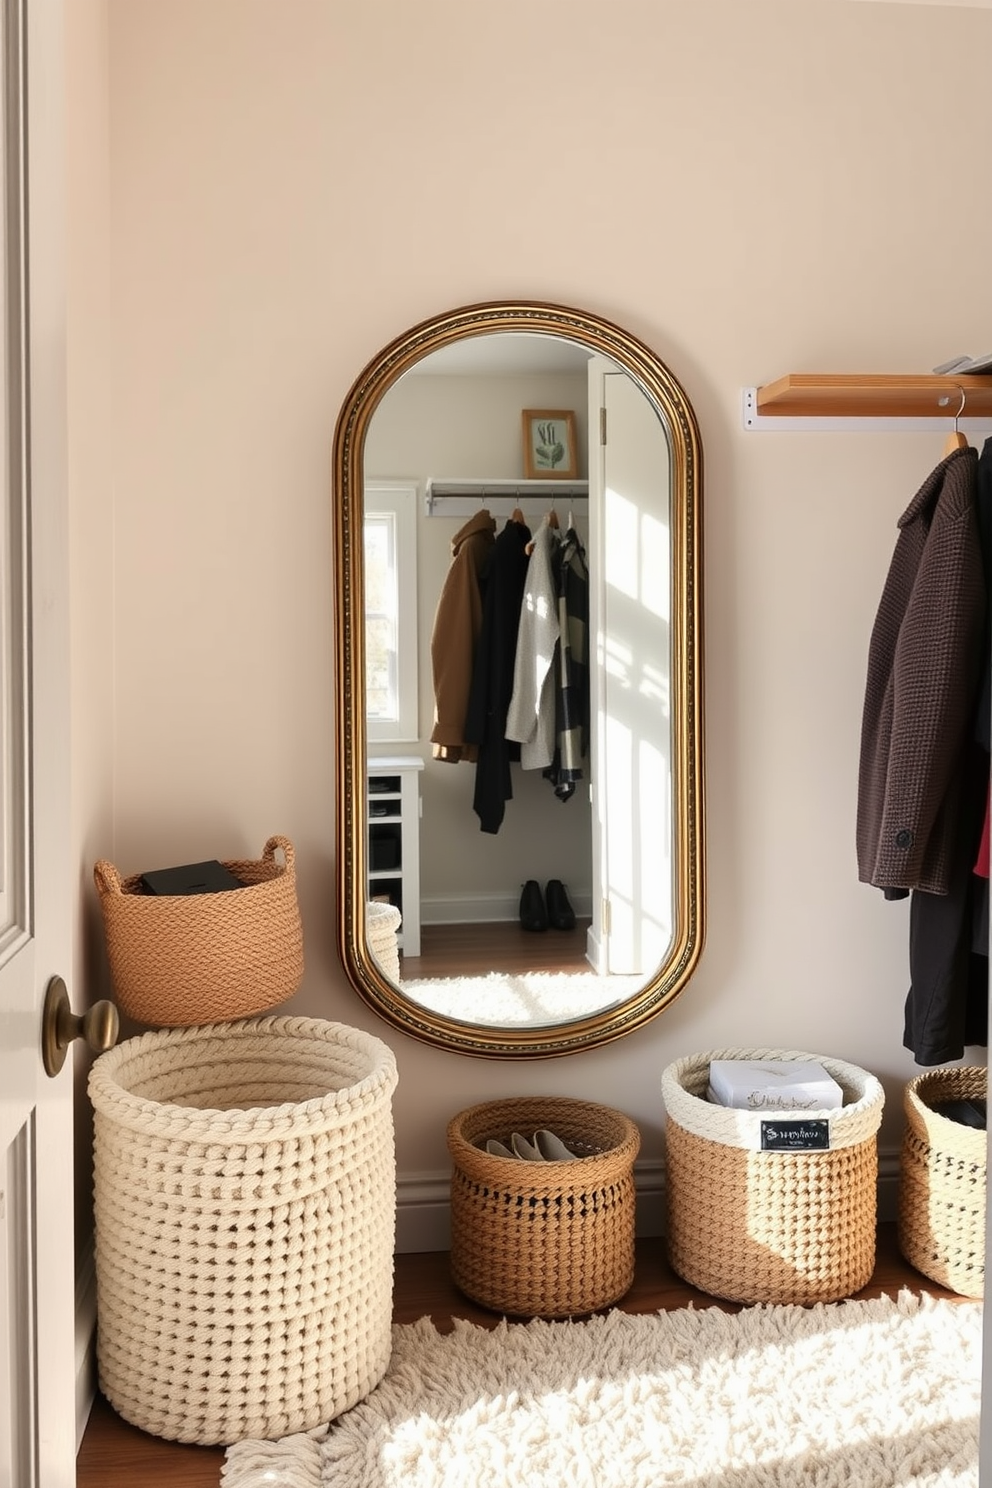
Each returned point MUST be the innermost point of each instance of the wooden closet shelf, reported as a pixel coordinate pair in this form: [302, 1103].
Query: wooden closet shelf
[871, 395]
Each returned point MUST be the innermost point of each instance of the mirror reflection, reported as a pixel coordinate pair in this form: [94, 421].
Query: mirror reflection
[519, 719]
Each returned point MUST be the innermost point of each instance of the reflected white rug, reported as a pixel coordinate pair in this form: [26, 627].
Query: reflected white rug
[528, 999]
[852, 1395]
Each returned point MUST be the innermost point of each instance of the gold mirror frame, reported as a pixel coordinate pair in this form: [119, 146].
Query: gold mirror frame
[659, 385]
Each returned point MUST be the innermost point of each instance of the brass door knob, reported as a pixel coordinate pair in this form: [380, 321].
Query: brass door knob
[99, 1026]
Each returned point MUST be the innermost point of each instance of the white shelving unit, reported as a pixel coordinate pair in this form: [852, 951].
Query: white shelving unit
[393, 808]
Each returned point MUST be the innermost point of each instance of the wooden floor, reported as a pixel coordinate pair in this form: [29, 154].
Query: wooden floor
[474, 950]
[116, 1455]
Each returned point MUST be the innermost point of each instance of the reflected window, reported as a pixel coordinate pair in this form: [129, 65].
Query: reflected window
[390, 544]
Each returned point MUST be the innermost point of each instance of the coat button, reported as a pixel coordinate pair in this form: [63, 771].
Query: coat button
[904, 837]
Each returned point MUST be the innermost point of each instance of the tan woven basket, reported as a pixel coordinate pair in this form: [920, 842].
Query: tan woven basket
[245, 1199]
[941, 1221]
[549, 1239]
[182, 960]
[779, 1226]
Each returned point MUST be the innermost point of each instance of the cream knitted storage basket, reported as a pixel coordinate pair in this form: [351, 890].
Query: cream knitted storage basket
[245, 1225]
[770, 1226]
[941, 1223]
[543, 1239]
[383, 921]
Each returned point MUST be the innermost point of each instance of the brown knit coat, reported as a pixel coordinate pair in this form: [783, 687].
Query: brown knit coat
[924, 664]
[457, 622]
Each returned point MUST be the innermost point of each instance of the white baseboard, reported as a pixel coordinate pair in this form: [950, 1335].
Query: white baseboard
[423, 1212]
[486, 909]
[423, 1208]
[888, 1185]
[595, 951]
[85, 1338]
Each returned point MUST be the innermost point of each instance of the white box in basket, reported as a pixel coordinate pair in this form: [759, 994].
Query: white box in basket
[773, 1085]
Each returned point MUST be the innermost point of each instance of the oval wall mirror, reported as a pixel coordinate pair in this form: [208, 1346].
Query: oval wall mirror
[519, 758]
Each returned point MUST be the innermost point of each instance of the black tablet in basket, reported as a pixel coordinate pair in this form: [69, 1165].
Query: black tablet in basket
[192, 878]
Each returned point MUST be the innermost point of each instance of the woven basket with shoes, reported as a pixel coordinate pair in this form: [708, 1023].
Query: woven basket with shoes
[543, 1239]
[245, 1206]
[755, 1225]
[941, 1223]
[181, 960]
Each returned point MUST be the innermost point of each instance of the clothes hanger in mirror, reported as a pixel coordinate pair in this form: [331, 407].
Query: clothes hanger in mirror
[550, 520]
[956, 440]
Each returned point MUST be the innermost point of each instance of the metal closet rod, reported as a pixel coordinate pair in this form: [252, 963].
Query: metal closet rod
[505, 487]
[548, 493]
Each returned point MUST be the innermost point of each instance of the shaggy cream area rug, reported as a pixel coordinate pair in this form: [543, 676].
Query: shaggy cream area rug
[881, 1394]
[529, 999]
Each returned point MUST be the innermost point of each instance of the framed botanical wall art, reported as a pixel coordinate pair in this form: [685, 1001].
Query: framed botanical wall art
[549, 444]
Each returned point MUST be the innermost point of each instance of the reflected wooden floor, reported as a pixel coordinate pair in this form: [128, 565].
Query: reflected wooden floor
[474, 950]
[116, 1455]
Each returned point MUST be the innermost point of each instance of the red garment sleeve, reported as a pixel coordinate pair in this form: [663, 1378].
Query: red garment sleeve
[982, 861]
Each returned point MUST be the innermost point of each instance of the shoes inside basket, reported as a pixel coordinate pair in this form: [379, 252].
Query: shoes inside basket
[545, 1147]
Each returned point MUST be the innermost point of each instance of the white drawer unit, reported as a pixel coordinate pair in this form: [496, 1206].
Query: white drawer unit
[393, 806]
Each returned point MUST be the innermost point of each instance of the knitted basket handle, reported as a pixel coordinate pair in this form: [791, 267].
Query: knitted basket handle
[107, 878]
[269, 851]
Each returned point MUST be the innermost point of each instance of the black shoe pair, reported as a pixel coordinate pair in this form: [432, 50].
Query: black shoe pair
[535, 914]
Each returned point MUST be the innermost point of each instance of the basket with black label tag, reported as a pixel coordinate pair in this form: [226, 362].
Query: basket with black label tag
[771, 1206]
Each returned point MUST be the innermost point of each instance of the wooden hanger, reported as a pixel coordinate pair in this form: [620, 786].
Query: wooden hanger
[956, 440]
[517, 516]
[551, 520]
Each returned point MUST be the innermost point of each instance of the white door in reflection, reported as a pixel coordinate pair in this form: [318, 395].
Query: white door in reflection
[633, 833]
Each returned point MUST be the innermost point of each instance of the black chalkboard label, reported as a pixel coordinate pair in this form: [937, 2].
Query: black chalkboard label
[795, 1136]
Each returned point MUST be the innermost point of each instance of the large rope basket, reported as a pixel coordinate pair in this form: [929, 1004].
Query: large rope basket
[777, 1226]
[941, 1218]
[245, 1225]
[178, 960]
[543, 1239]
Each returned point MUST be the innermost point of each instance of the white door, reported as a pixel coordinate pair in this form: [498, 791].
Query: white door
[633, 908]
[37, 1390]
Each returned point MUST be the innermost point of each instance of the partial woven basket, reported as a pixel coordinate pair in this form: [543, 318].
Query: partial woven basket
[245, 1196]
[770, 1226]
[185, 960]
[941, 1219]
[383, 922]
[553, 1239]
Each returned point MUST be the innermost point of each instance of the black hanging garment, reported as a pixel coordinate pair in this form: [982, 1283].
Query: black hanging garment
[502, 585]
[947, 1003]
[571, 577]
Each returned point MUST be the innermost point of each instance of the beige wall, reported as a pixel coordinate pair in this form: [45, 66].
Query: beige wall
[751, 190]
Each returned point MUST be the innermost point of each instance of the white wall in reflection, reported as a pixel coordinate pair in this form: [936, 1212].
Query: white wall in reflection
[634, 815]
